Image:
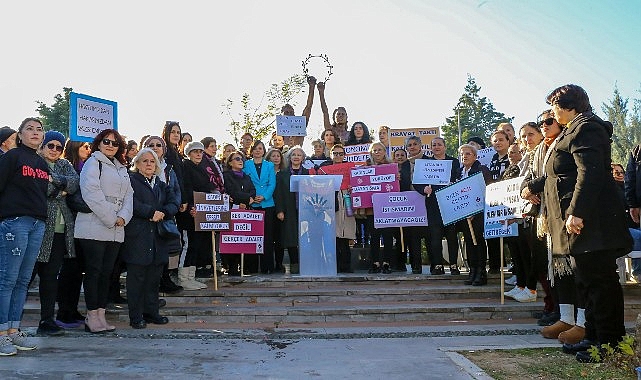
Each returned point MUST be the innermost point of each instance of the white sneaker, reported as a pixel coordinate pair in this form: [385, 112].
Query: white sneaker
[525, 296]
[22, 342]
[6, 346]
[513, 292]
[511, 280]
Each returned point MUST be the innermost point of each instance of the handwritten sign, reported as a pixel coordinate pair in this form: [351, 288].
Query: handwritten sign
[397, 138]
[462, 199]
[502, 202]
[399, 209]
[247, 233]
[367, 180]
[212, 211]
[88, 116]
[357, 153]
[484, 156]
[336, 169]
[432, 172]
[291, 125]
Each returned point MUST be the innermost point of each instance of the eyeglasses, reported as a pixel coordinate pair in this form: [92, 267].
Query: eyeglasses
[338, 153]
[618, 172]
[113, 143]
[53, 146]
[549, 121]
[237, 158]
[158, 145]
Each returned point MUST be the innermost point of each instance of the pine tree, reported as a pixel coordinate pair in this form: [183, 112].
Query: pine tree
[626, 125]
[477, 117]
[56, 117]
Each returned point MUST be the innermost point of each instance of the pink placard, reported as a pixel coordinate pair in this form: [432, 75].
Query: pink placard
[247, 233]
[368, 180]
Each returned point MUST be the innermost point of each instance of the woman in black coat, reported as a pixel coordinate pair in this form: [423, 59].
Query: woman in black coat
[584, 219]
[286, 206]
[145, 251]
[242, 191]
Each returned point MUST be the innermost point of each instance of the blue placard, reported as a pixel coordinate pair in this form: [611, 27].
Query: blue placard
[462, 199]
[88, 116]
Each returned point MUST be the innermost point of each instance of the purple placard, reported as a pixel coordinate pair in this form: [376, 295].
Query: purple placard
[368, 180]
[246, 234]
[399, 209]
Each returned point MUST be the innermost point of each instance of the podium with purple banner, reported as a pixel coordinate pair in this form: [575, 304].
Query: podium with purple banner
[316, 223]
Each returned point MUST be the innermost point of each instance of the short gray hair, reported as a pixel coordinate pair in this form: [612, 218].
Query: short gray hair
[140, 154]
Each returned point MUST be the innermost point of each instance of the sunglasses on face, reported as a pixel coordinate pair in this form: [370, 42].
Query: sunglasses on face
[53, 146]
[549, 121]
[338, 153]
[158, 145]
[113, 143]
[617, 172]
[237, 158]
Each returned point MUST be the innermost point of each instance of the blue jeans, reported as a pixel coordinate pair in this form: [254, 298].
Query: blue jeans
[20, 240]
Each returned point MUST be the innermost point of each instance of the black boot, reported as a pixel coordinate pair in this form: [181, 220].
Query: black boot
[168, 286]
[480, 278]
[470, 277]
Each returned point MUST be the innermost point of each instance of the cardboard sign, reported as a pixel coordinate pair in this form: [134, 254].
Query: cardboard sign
[337, 169]
[397, 138]
[432, 172]
[88, 116]
[212, 212]
[400, 209]
[484, 156]
[502, 202]
[247, 233]
[368, 180]
[357, 154]
[291, 125]
[462, 199]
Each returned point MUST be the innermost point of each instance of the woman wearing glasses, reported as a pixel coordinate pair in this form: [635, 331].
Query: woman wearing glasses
[58, 239]
[105, 186]
[24, 178]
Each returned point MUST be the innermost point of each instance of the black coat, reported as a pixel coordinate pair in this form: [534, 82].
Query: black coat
[285, 202]
[632, 183]
[143, 244]
[579, 182]
[195, 179]
[240, 189]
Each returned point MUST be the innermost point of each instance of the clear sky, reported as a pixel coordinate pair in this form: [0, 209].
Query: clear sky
[401, 63]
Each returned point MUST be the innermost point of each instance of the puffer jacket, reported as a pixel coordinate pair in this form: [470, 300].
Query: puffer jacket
[109, 195]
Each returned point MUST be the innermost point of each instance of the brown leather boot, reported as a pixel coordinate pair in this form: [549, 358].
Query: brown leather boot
[552, 332]
[573, 335]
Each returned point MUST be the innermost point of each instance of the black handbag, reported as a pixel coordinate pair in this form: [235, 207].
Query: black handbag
[167, 228]
[76, 203]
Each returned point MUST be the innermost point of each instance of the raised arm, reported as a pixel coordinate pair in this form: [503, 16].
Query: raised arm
[321, 93]
[307, 112]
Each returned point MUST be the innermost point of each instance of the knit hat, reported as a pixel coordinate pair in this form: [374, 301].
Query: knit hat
[477, 140]
[193, 146]
[5, 133]
[159, 139]
[54, 135]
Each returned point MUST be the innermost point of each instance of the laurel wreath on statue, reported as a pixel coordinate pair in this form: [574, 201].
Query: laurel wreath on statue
[327, 65]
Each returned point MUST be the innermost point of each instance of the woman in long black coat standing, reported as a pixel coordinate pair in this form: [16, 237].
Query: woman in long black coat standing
[583, 216]
[145, 251]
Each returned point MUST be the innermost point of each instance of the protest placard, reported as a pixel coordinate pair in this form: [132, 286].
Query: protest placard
[397, 138]
[432, 172]
[462, 199]
[399, 209]
[212, 211]
[367, 180]
[357, 154]
[291, 125]
[484, 156]
[246, 234]
[502, 202]
[336, 169]
[88, 116]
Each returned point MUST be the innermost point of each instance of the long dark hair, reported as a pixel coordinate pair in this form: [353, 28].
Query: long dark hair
[71, 152]
[166, 132]
[352, 140]
[120, 153]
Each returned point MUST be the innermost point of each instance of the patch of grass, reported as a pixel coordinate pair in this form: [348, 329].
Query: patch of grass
[543, 364]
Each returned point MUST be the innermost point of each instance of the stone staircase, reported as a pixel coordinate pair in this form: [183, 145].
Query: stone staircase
[358, 299]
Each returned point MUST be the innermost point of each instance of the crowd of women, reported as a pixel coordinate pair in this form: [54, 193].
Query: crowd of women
[78, 214]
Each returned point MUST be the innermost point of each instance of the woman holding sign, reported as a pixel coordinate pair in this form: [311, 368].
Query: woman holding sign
[380, 264]
[473, 226]
[435, 222]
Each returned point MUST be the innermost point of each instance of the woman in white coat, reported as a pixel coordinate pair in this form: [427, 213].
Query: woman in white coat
[105, 187]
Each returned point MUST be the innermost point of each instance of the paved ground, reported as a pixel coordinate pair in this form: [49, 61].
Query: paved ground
[341, 353]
